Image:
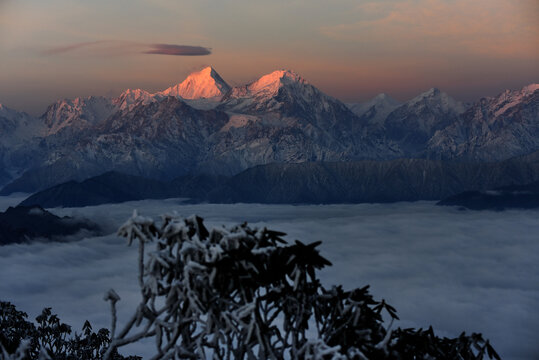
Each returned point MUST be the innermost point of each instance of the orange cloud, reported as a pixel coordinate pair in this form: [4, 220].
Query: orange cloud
[497, 28]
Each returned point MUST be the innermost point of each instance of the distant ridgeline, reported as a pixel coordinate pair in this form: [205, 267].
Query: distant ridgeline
[507, 197]
[277, 124]
[115, 187]
[311, 183]
[24, 223]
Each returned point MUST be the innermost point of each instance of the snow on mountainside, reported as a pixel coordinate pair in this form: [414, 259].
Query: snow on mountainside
[204, 84]
[272, 91]
[290, 121]
[282, 98]
[81, 113]
[437, 100]
[493, 128]
[412, 124]
[77, 114]
[163, 139]
[282, 117]
[509, 99]
[170, 119]
[17, 127]
[19, 136]
[130, 98]
[381, 101]
[375, 110]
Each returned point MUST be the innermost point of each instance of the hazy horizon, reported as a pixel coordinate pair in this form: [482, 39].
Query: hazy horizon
[38, 111]
[352, 50]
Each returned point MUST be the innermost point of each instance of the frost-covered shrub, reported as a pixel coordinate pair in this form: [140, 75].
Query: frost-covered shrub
[244, 293]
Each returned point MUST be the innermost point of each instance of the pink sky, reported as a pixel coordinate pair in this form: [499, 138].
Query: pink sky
[350, 49]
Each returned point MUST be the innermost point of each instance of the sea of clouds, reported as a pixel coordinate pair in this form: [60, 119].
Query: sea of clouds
[455, 270]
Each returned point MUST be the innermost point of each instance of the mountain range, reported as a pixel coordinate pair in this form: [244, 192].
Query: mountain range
[205, 126]
[303, 183]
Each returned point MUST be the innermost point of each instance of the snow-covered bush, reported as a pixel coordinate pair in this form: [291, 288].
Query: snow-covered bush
[244, 293]
[233, 293]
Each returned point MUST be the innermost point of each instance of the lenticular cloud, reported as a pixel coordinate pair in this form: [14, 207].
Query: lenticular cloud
[177, 50]
[121, 47]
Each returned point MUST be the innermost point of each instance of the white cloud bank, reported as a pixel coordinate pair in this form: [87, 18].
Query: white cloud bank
[458, 271]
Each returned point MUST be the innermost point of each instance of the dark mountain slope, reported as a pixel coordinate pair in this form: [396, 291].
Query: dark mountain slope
[111, 187]
[369, 181]
[114, 187]
[24, 223]
[507, 197]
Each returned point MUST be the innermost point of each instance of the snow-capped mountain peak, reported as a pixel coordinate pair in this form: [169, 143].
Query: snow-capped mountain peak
[510, 98]
[530, 89]
[429, 94]
[203, 84]
[77, 113]
[9, 114]
[277, 90]
[376, 109]
[131, 97]
[438, 99]
[412, 124]
[4, 110]
[135, 93]
[383, 97]
[272, 81]
[16, 127]
[380, 101]
[494, 128]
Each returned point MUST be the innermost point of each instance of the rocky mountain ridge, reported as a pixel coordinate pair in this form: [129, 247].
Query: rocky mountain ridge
[492, 129]
[203, 125]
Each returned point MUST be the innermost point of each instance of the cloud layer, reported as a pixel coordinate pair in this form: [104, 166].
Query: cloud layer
[472, 271]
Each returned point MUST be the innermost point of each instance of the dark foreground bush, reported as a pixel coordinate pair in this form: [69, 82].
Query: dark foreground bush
[49, 338]
[244, 293]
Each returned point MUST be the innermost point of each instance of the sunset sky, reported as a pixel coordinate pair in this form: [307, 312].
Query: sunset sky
[350, 49]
